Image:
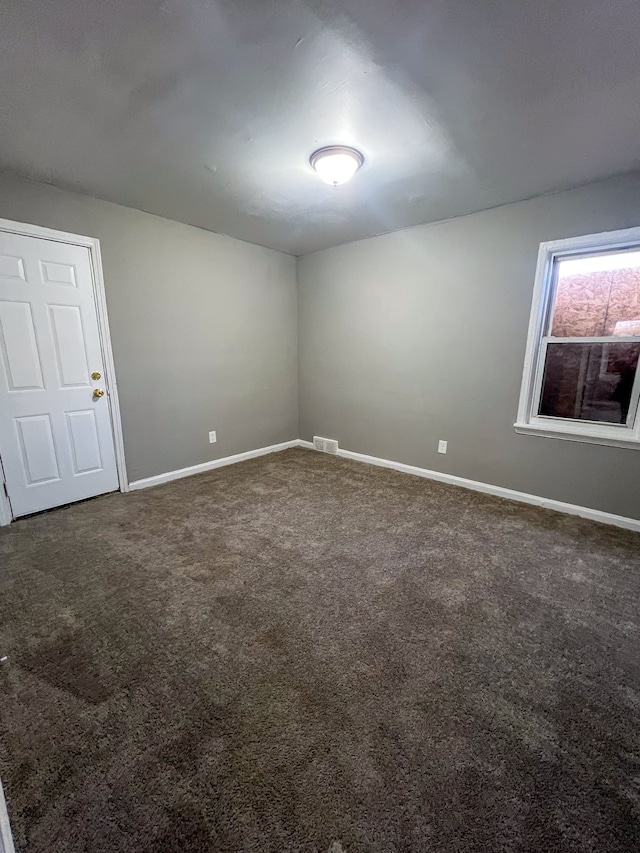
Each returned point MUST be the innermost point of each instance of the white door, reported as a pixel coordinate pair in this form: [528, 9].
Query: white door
[56, 438]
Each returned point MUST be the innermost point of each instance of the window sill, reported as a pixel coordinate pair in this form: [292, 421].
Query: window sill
[627, 441]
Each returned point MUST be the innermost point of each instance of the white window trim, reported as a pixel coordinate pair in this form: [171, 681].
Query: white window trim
[528, 422]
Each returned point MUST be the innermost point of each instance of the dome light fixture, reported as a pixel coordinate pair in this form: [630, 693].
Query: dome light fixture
[336, 164]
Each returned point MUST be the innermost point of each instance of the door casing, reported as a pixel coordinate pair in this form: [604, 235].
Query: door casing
[93, 245]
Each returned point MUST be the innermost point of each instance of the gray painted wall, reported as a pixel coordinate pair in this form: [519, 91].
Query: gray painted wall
[203, 329]
[420, 335]
[404, 339]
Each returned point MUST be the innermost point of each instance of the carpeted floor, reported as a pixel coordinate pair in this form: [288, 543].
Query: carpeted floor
[301, 653]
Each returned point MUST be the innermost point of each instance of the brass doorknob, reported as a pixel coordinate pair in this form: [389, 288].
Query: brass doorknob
[98, 392]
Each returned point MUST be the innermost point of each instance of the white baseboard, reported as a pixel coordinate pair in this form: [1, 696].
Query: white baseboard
[487, 488]
[452, 479]
[6, 839]
[209, 466]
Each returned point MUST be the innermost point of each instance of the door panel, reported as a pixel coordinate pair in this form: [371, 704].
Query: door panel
[54, 273]
[85, 444]
[56, 437]
[71, 353]
[39, 459]
[19, 348]
[12, 267]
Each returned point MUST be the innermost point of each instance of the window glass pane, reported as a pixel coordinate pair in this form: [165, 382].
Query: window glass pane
[590, 381]
[597, 296]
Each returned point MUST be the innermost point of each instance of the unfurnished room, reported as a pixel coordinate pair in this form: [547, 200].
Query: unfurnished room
[320, 426]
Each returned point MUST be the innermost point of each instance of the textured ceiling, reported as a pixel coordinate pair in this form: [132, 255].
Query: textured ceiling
[206, 111]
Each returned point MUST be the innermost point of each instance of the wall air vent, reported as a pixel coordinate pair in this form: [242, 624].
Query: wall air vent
[325, 445]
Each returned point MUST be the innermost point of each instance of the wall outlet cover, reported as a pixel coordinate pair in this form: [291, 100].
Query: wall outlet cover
[212, 437]
[442, 446]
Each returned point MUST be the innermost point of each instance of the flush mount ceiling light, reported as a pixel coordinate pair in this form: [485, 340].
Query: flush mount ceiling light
[336, 164]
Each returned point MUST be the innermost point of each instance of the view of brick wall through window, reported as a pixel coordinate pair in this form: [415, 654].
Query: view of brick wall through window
[593, 380]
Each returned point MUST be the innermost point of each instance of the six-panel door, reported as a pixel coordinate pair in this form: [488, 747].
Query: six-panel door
[56, 440]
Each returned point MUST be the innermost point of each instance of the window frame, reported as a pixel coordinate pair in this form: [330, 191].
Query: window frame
[528, 421]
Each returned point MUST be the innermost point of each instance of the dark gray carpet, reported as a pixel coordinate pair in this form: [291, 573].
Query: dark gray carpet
[301, 653]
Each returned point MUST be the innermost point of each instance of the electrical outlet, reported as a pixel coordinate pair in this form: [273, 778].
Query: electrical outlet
[442, 446]
[212, 437]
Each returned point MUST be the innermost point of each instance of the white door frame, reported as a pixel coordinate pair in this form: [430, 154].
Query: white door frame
[6, 839]
[93, 245]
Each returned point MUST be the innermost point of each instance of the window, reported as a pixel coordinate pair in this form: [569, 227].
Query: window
[581, 376]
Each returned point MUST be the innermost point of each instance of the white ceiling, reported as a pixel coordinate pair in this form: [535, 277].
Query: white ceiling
[206, 111]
